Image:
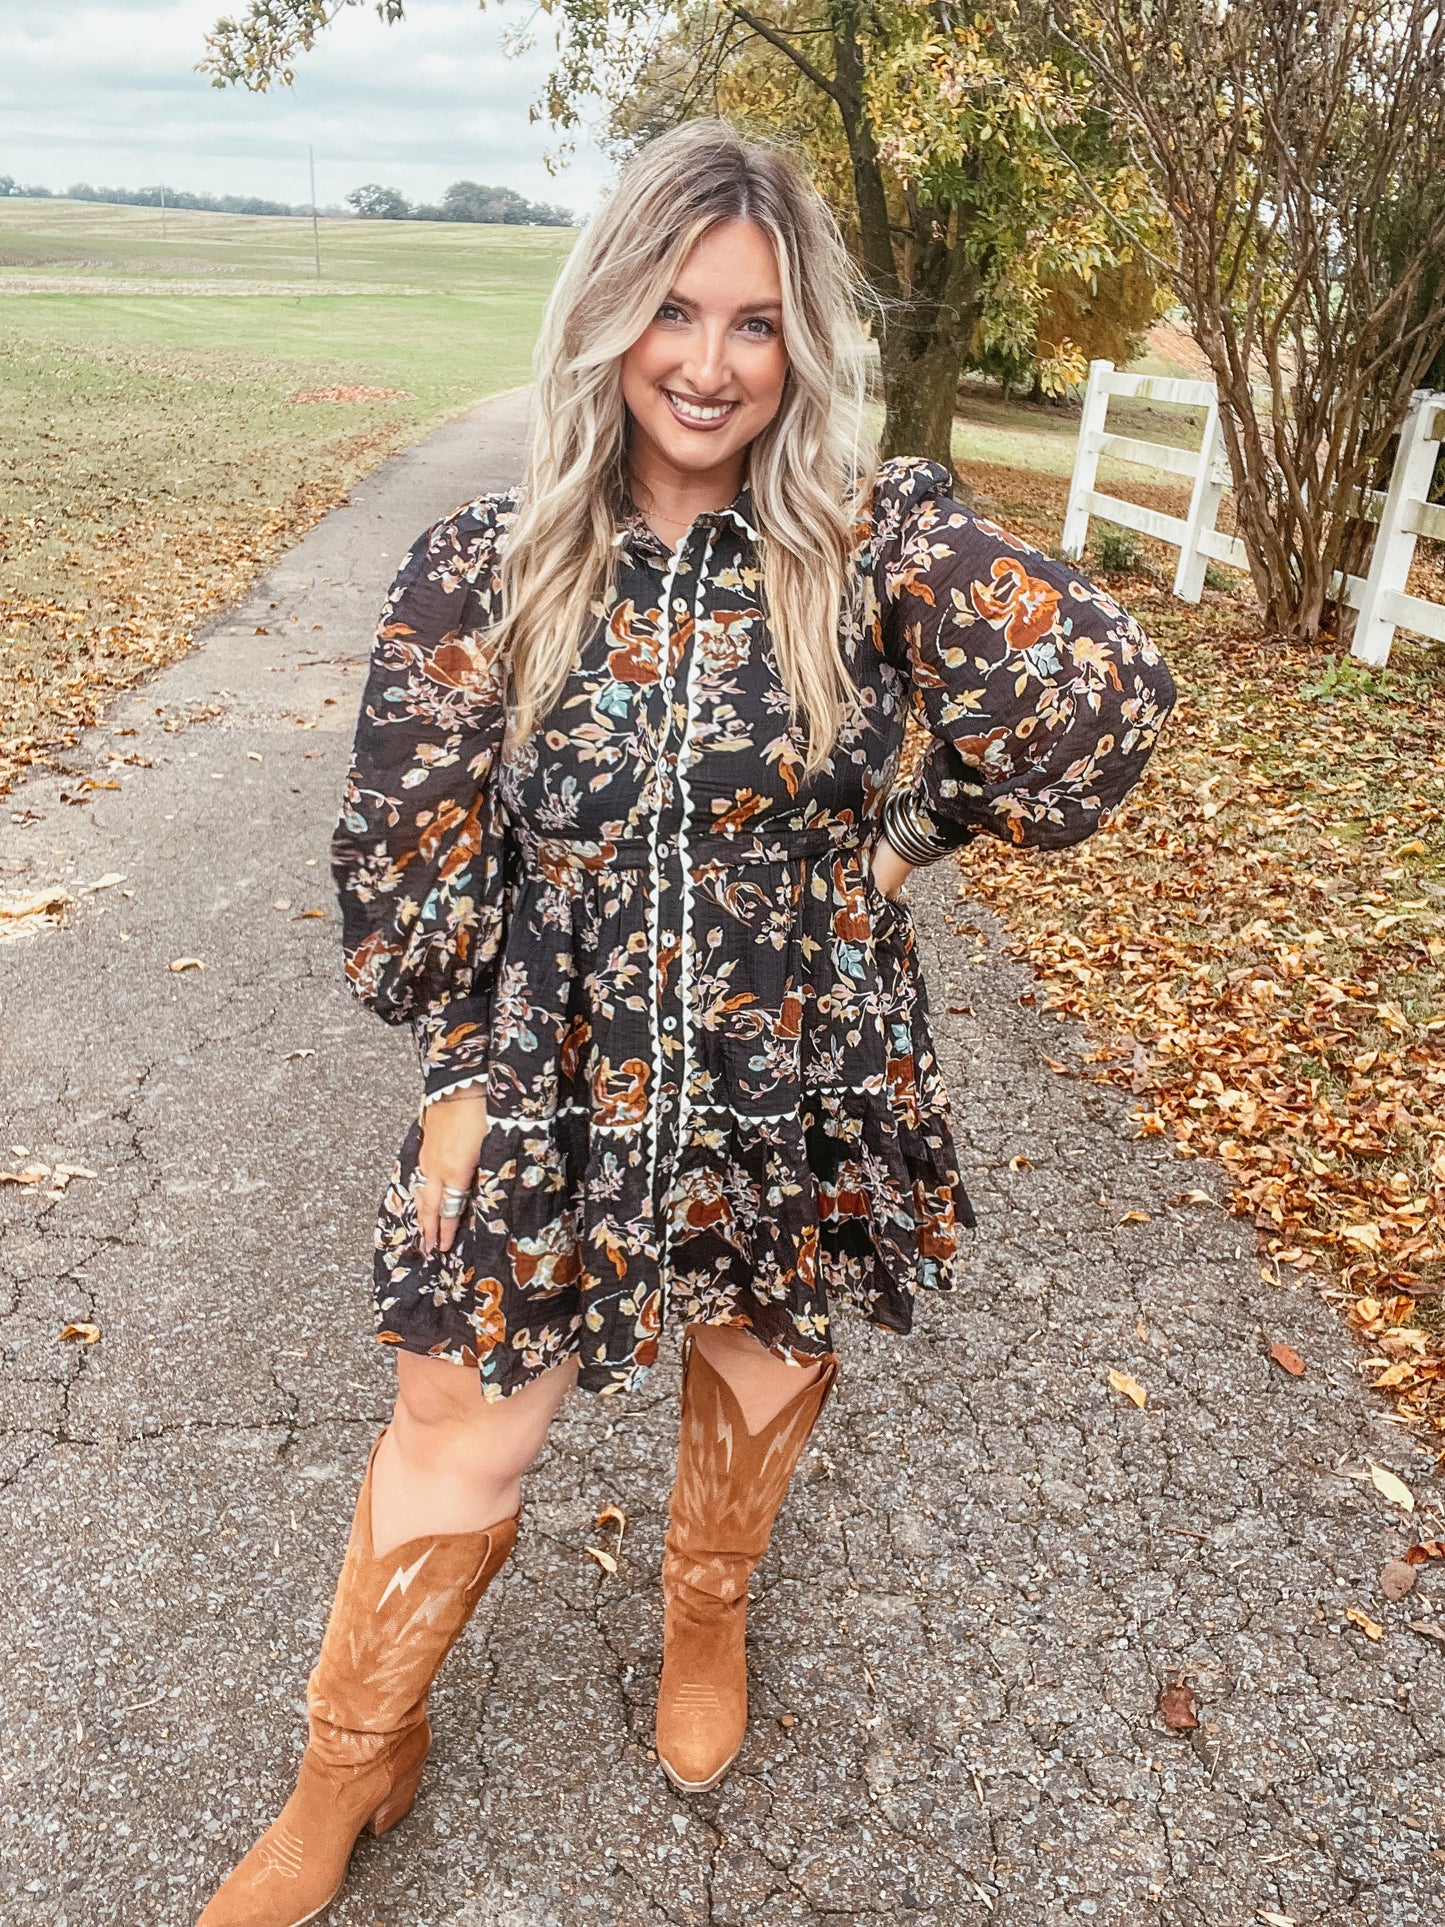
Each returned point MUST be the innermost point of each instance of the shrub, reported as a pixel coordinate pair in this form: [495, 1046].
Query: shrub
[1116, 552]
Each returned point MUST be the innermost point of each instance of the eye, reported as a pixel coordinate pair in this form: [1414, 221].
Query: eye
[759, 327]
[669, 311]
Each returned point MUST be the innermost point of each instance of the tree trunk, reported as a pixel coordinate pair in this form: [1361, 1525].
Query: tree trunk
[920, 385]
[925, 346]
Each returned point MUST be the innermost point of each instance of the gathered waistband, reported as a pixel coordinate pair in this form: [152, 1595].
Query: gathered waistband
[555, 859]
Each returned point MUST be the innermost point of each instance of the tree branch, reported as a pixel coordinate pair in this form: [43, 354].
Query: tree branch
[776, 38]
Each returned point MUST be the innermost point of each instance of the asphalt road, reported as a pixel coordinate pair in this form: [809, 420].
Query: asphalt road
[991, 1567]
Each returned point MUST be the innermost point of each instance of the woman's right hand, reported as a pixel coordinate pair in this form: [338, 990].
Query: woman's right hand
[452, 1133]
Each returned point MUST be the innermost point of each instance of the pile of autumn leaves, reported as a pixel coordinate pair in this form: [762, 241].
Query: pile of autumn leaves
[1259, 938]
[142, 574]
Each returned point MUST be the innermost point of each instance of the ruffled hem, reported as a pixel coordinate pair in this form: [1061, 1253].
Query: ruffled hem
[771, 1224]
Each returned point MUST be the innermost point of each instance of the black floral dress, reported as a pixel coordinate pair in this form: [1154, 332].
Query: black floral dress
[701, 1031]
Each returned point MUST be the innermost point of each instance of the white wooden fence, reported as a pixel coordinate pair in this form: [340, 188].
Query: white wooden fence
[1401, 511]
[1404, 515]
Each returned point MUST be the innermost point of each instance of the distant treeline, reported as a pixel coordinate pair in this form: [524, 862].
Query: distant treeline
[151, 197]
[463, 201]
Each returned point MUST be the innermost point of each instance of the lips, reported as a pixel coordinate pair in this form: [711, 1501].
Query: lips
[699, 414]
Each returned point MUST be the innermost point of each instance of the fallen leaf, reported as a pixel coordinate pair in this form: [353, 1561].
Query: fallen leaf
[85, 1334]
[302, 915]
[1275, 1920]
[1288, 1357]
[1391, 1488]
[1177, 1707]
[1371, 1628]
[1365, 1235]
[1130, 1387]
[41, 910]
[1059, 1070]
[1427, 1549]
[1396, 1578]
[187, 963]
[1135, 1217]
[107, 882]
[298, 1053]
[32, 1174]
[604, 1559]
[787, 1721]
[1431, 1632]
[612, 1515]
[1020, 1163]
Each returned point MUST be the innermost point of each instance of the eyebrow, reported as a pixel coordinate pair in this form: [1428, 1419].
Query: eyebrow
[753, 307]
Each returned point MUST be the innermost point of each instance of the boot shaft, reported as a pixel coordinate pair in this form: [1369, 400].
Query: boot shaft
[393, 1621]
[731, 1482]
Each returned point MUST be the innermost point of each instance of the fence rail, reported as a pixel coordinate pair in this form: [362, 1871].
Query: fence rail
[1401, 511]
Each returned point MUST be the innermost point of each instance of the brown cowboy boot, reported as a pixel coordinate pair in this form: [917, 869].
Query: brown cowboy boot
[393, 1622]
[730, 1484]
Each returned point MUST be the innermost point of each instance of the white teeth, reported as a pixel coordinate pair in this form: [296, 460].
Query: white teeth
[699, 411]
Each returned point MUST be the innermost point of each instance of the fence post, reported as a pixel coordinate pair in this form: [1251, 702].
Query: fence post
[1394, 546]
[1209, 485]
[1086, 459]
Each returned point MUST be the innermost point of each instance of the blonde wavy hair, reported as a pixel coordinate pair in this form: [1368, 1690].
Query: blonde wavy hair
[805, 469]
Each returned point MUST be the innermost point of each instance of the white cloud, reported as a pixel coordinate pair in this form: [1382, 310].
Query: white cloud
[109, 94]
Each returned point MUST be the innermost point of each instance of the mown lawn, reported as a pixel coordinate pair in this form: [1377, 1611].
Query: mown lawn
[158, 454]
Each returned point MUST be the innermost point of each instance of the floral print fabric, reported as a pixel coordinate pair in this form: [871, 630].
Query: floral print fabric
[701, 1031]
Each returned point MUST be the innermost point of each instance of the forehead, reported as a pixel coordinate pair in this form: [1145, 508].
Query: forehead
[734, 258]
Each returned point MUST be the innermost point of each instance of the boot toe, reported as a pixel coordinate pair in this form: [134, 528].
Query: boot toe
[276, 1885]
[699, 1736]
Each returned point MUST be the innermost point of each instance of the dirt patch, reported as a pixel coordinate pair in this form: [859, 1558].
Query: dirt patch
[347, 392]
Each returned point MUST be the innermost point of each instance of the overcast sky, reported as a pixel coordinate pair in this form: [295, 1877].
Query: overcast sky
[107, 93]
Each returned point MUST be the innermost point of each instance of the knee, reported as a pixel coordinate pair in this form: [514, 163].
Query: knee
[443, 1421]
[435, 1398]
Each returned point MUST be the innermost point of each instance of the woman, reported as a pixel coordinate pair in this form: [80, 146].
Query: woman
[622, 841]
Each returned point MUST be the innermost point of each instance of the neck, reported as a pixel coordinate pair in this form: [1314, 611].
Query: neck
[672, 498]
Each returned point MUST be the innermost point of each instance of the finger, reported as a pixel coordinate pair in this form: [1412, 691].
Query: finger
[428, 1195]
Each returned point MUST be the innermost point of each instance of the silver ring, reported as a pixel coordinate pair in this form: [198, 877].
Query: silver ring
[454, 1202]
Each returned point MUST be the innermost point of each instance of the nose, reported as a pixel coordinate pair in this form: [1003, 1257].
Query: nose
[706, 366]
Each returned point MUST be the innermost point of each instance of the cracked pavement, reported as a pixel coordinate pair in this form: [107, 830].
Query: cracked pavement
[992, 1563]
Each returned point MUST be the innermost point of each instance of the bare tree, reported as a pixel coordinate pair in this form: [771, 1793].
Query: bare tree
[1299, 146]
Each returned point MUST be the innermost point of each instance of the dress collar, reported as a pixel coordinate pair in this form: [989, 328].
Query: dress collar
[637, 532]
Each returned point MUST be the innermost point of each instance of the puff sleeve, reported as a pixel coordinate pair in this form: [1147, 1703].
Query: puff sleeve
[418, 854]
[1043, 698]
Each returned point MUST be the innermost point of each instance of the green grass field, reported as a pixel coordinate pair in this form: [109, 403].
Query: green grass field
[157, 457]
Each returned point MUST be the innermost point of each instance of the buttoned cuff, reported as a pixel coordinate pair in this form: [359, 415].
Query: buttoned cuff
[914, 833]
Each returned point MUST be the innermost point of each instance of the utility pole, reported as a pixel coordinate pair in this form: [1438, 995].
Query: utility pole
[315, 224]
[163, 211]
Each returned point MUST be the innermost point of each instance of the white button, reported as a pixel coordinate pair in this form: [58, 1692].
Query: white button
[669, 1023]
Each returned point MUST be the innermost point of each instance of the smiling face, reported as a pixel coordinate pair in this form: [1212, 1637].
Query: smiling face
[706, 375]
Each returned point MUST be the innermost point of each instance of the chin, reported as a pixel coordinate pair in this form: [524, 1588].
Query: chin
[688, 450]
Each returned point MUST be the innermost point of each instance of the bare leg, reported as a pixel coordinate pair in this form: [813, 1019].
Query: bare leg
[452, 1461]
[761, 1383]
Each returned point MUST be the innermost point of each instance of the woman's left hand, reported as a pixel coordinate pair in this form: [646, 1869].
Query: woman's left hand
[890, 872]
